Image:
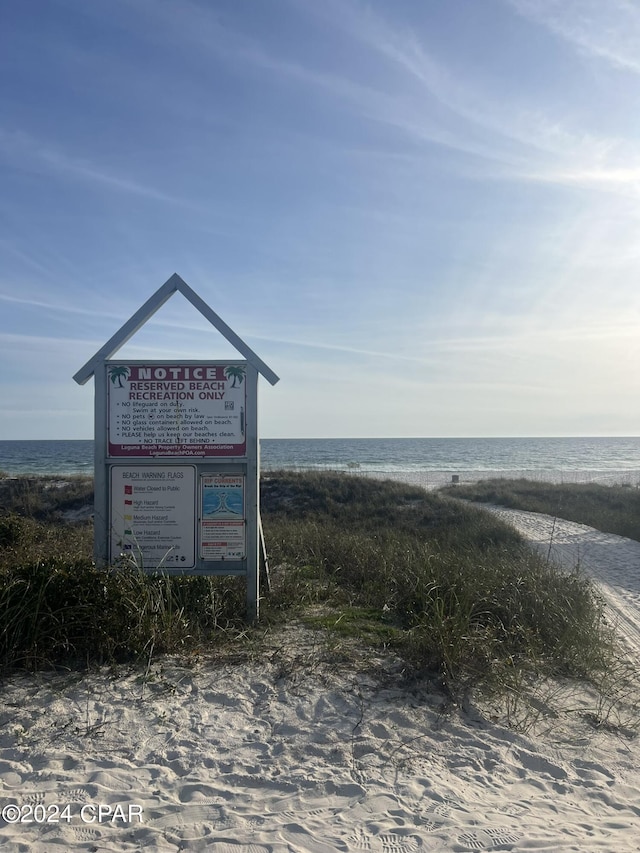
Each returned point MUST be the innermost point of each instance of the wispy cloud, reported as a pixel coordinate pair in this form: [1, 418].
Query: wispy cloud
[607, 29]
[18, 146]
[341, 348]
[25, 258]
[276, 341]
[31, 343]
[432, 103]
[393, 105]
[64, 308]
[517, 140]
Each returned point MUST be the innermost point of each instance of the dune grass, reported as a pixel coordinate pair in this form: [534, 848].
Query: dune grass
[447, 588]
[612, 509]
[44, 498]
[454, 591]
[58, 609]
[64, 612]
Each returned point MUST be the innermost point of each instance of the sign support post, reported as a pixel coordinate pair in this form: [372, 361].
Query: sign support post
[100, 476]
[253, 500]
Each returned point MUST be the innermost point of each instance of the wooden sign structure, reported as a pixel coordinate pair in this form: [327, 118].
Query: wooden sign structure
[177, 463]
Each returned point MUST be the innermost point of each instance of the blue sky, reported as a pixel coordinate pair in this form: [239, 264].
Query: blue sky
[423, 215]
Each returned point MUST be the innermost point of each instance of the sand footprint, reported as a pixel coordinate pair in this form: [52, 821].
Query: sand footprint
[485, 839]
[392, 843]
[360, 840]
[503, 835]
[35, 798]
[75, 795]
[515, 810]
[442, 809]
[388, 842]
[85, 833]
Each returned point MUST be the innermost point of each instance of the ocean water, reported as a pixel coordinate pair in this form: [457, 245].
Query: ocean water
[428, 460]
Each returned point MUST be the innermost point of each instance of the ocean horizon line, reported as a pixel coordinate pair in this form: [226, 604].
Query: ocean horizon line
[392, 437]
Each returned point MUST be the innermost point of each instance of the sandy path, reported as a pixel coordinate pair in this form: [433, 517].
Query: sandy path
[612, 561]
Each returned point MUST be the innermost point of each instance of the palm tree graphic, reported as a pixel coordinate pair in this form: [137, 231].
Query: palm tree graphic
[236, 373]
[117, 373]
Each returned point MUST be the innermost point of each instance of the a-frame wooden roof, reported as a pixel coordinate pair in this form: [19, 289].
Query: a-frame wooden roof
[175, 283]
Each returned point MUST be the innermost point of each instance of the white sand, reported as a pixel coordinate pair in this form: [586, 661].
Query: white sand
[296, 753]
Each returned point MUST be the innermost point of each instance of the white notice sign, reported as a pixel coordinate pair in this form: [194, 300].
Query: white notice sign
[153, 515]
[162, 409]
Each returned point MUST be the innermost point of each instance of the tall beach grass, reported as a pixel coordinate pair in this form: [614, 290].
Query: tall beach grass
[448, 589]
[459, 593]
